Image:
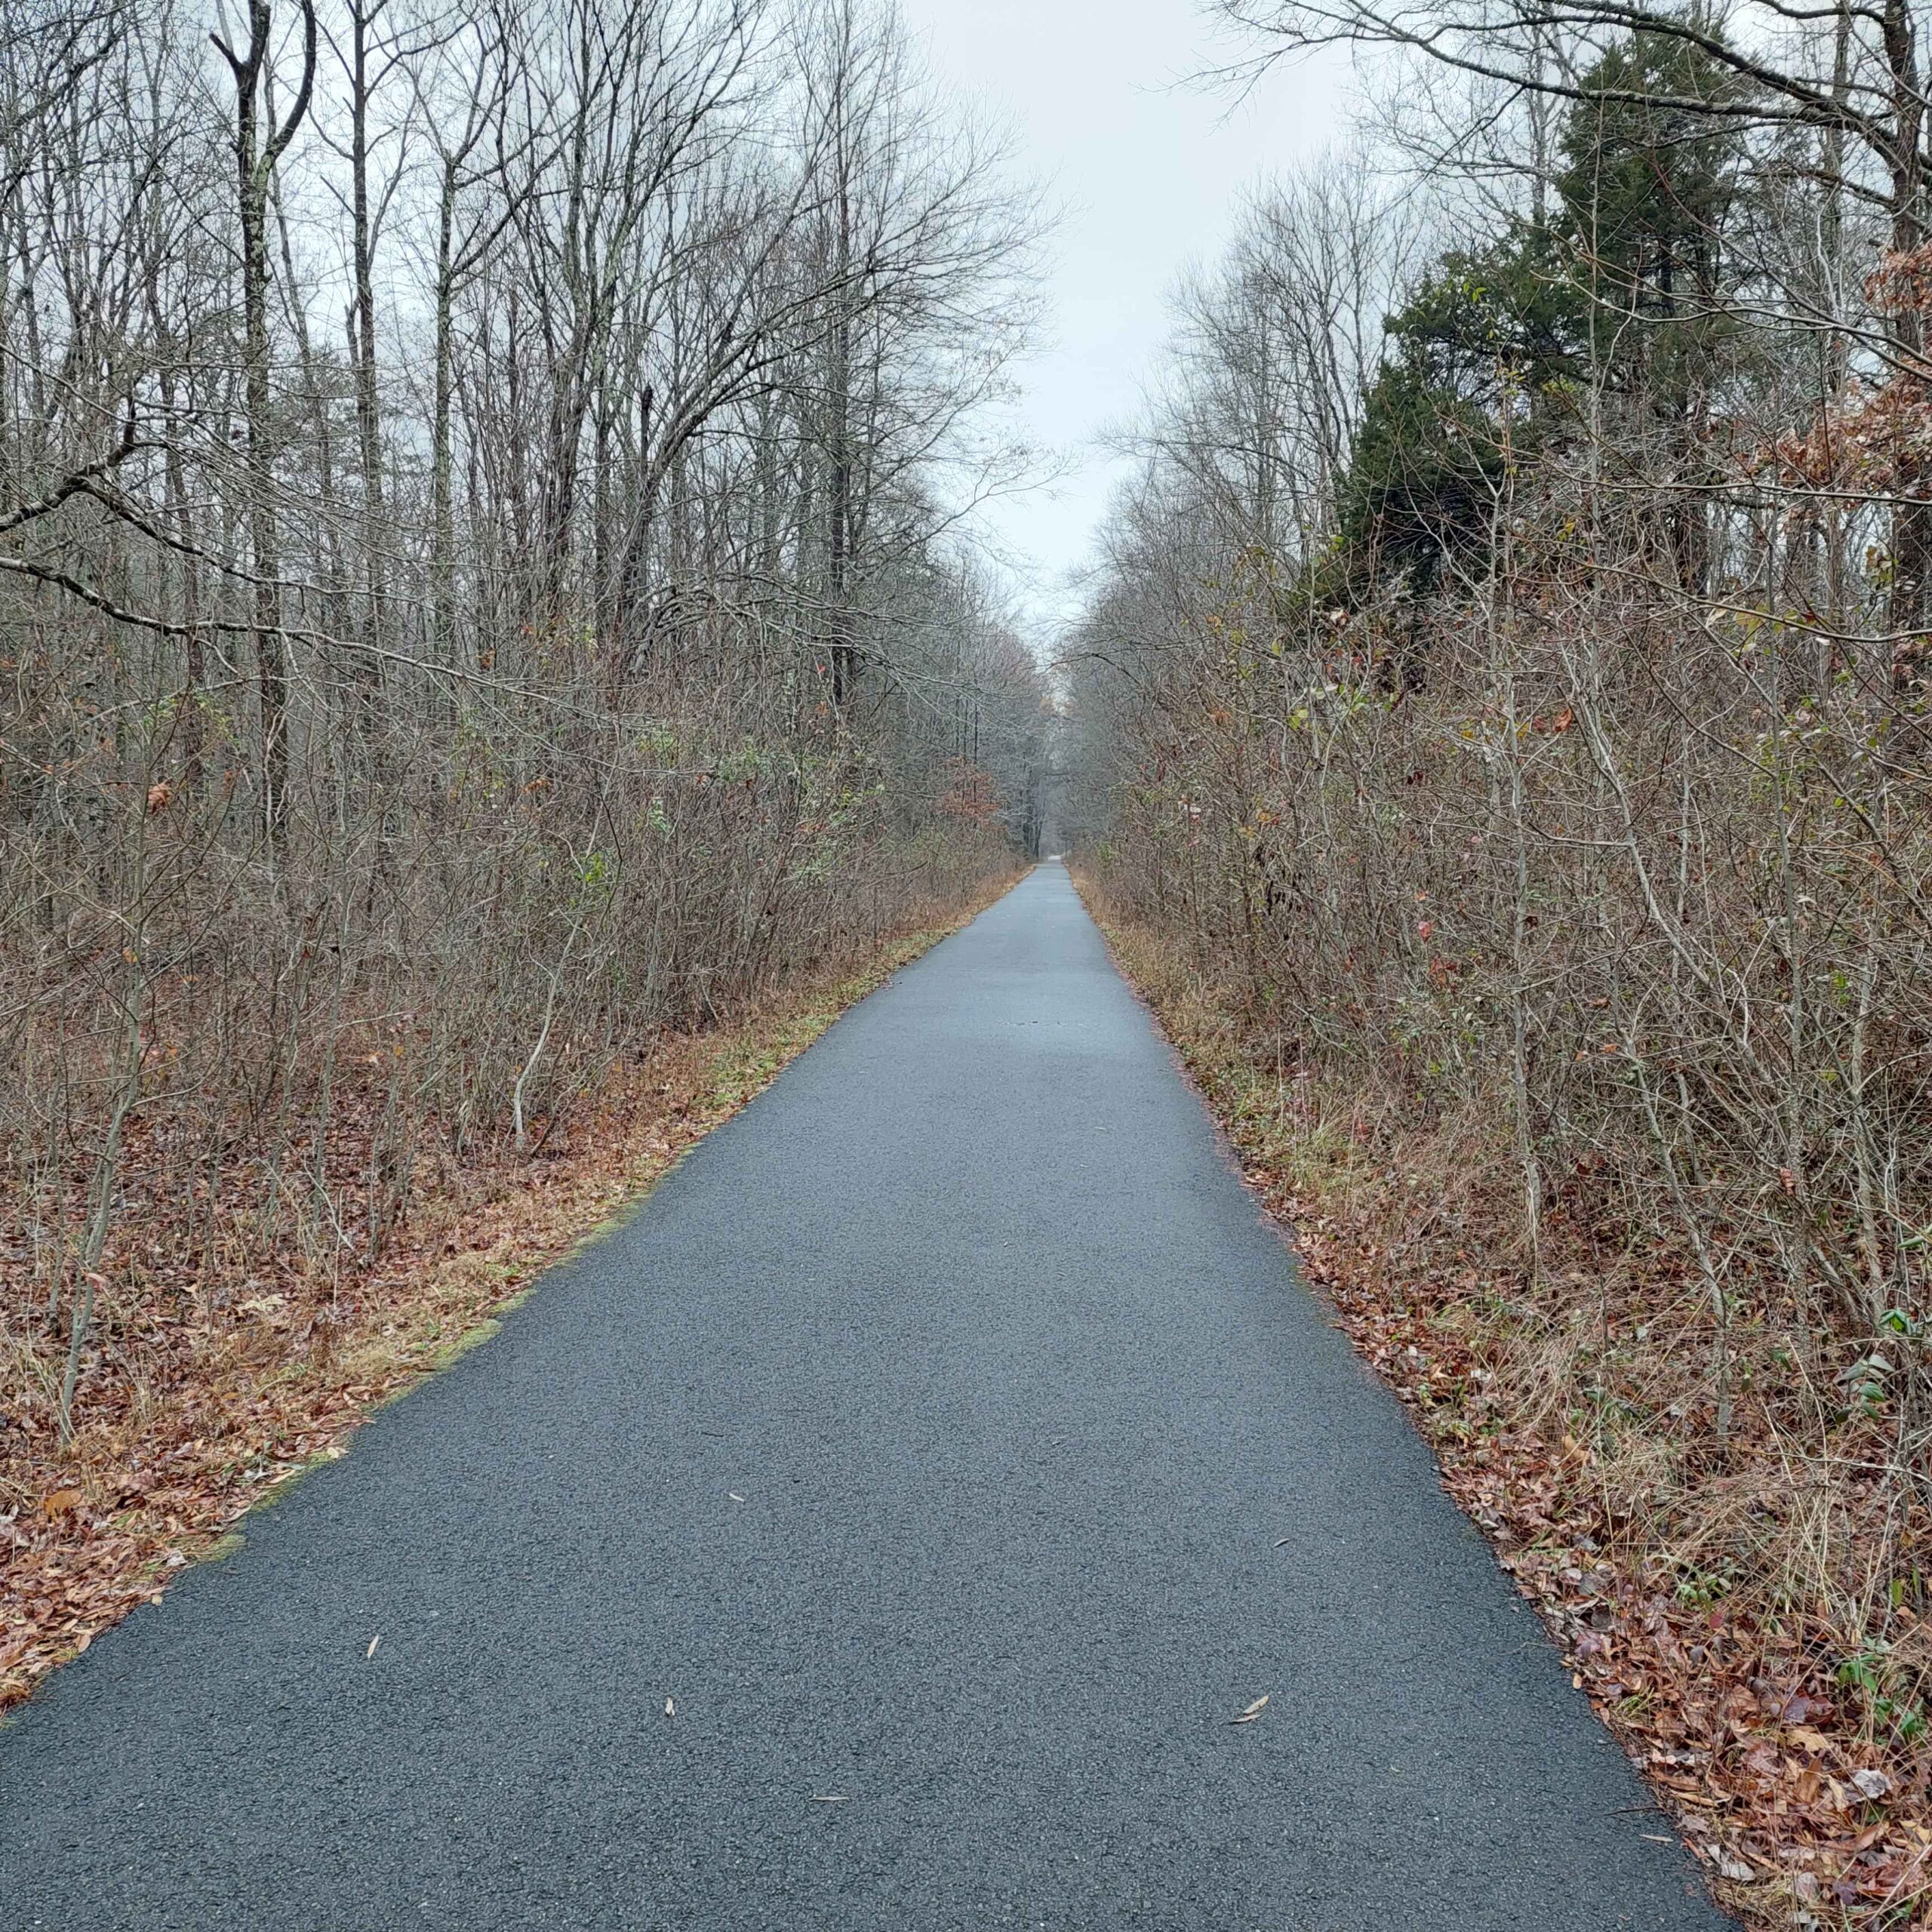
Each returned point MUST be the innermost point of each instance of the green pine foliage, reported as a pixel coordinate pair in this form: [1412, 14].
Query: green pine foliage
[1488, 355]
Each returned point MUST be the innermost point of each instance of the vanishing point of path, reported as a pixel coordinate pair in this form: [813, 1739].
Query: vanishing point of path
[947, 1438]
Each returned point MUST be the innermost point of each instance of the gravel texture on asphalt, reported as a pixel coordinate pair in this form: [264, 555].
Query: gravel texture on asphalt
[879, 1530]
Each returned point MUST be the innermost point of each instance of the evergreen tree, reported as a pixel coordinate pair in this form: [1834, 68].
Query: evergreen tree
[1488, 351]
[1648, 183]
[1482, 355]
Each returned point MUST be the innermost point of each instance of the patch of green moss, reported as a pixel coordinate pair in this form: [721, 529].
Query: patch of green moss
[619, 1217]
[283, 1484]
[459, 1345]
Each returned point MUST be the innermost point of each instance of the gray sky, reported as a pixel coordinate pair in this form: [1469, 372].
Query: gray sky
[1147, 170]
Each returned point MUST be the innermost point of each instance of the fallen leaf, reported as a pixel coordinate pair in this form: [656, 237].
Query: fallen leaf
[1253, 1712]
[373, 1642]
[62, 1502]
[1872, 1784]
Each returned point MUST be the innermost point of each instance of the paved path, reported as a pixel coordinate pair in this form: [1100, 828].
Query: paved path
[947, 1436]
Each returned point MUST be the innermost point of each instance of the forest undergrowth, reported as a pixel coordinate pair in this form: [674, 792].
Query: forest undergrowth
[1712, 1598]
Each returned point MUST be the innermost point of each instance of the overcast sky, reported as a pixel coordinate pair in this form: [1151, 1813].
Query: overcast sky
[1147, 171]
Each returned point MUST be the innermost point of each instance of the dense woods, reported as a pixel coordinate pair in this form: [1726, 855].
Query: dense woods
[1504, 702]
[477, 590]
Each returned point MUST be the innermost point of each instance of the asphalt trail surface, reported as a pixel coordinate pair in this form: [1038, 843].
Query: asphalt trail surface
[947, 1437]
